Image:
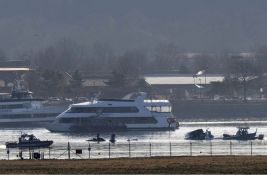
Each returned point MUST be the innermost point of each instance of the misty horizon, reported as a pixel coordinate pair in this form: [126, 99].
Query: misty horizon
[193, 26]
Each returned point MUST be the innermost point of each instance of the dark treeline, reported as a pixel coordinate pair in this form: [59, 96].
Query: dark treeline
[67, 55]
[68, 58]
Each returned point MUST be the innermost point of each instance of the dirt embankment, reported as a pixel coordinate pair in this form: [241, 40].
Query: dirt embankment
[193, 165]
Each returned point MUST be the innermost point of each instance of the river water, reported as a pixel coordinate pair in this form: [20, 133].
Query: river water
[142, 144]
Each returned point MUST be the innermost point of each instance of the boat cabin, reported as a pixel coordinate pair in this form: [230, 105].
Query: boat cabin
[27, 138]
[242, 131]
[158, 105]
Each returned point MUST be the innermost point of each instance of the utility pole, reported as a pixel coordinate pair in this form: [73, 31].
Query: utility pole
[68, 150]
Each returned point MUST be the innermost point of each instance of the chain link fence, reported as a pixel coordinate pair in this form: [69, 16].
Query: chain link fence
[108, 150]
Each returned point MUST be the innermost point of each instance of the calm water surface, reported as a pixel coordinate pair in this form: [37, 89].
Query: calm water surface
[156, 143]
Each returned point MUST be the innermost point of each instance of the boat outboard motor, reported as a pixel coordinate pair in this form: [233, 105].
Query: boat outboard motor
[261, 137]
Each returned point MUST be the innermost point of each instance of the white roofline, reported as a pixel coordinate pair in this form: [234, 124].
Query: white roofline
[6, 69]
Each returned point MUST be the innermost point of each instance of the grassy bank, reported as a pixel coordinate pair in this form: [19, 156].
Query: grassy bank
[216, 164]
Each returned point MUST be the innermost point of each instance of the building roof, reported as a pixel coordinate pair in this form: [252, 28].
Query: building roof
[95, 82]
[14, 69]
[182, 79]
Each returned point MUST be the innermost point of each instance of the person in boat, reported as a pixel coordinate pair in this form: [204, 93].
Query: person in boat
[208, 135]
[31, 137]
[242, 132]
[112, 138]
[98, 138]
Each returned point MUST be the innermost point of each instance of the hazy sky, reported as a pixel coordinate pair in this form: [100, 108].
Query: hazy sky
[193, 25]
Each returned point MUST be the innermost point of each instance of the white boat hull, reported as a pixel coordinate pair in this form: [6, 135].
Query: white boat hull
[29, 117]
[116, 114]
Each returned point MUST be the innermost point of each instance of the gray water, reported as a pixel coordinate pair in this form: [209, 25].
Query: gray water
[142, 144]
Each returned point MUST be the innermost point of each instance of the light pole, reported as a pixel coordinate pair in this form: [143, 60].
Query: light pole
[200, 88]
[129, 145]
[194, 79]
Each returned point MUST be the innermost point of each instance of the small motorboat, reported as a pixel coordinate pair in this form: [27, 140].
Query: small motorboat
[242, 134]
[97, 139]
[29, 141]
[199, 134]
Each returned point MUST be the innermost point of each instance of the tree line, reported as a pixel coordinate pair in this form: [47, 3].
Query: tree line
[67, 57]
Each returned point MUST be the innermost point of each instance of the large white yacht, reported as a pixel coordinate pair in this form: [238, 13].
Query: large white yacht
[132, 112]
[20, 109]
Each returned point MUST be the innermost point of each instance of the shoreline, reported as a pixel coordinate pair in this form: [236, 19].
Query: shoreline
[153, 165]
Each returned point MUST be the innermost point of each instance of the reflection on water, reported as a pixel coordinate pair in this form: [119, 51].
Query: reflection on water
[145, 143]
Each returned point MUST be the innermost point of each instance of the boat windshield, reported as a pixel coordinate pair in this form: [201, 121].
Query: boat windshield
[26, 137]
[159, 108]
[242, 131]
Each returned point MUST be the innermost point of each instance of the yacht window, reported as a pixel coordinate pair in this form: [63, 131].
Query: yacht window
[120, 110]
[81, 110]
[69, 120]
[159, 108]
[154, 108]
[11, 106]
[20, 116]
[103, 110]
[77, 120]
[165, 109]
[135, 120]
[149, 108]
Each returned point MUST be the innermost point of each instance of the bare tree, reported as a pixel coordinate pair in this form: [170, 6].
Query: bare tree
[243, 70]
[167, 57]
[132, 63]
[101, 58]
[206, 62]
[65, 55]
